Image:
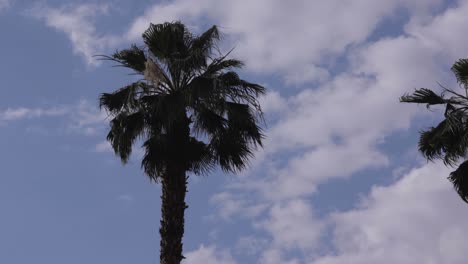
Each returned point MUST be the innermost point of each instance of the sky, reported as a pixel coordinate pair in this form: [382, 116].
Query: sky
[339, 180]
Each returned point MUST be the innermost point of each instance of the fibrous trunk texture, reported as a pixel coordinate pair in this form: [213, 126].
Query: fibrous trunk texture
[174, 187]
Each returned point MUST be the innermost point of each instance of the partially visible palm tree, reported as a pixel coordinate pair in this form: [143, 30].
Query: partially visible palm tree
[191, 110]
[448, 140]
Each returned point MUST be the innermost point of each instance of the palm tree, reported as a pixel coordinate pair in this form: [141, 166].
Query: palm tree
[448, 140]
[190, 109]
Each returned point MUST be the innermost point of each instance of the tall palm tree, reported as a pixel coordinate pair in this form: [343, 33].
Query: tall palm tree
[448, 140]
[191, 110]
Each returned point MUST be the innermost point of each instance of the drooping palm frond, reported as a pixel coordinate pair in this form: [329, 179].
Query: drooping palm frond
[447, 141]
[207, 121]
[230, 150]
[154, 160]
[200, 156]
[459, 178]
[241, 119]
[460, 69]
[124, 98]
[124, 130]
[423, 96]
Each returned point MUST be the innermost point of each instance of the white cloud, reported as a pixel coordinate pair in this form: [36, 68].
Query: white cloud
[87, 118]
[270, 35]
[291, 37]
[77, 22]
[419, 219]
[250, 245]
[303, 174]
[208, 255]
[273, 103]
[13, 114]
[293, 226]
[229, 205]
[306, 74]
[335, 129]
[274, 256]
[82, 117]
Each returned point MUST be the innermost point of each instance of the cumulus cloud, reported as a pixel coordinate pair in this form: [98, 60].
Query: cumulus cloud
[418, 219]
[344, 120]
[273, 103]
[335, 129]
[293, 225]
[290, 37]
[208, 255]
[271, 36]
[228, 205]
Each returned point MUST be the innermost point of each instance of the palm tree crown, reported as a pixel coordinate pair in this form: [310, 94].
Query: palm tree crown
[449, 139]
[183, 87]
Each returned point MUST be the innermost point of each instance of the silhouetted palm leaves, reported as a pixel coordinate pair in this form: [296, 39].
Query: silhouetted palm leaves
[449, 139]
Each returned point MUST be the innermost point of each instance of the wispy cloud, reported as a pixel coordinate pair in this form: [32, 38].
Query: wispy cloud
[384, 228]
[78, 23]
[12, 114]
[81, 117]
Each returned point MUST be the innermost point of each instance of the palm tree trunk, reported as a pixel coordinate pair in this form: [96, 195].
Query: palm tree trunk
[174, 187]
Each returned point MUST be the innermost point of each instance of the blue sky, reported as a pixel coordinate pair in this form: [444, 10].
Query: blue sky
[338, 182]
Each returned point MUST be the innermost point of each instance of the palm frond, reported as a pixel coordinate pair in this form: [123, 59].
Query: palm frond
[125, 129]
[207, 121]
[423, 96]
[219, 65]
[230, 150]
[200, 50]
[157, 150]
[241, 91]
[241, 119]
[199, 157]
[447, 141]
[167, 41]
[132, 58]
[460, 69]
[123, 98]
[206, 40]
[164, 109]
[459, 178]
